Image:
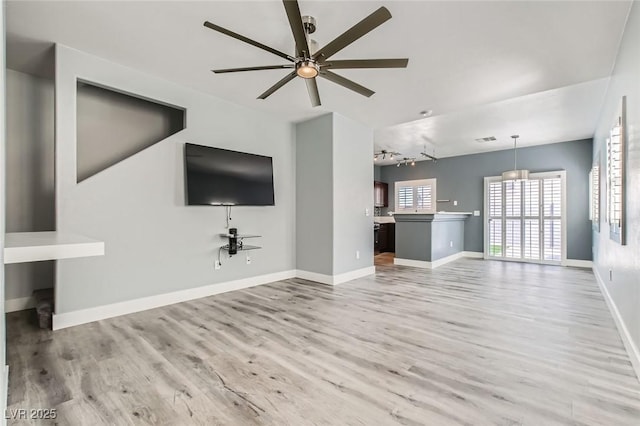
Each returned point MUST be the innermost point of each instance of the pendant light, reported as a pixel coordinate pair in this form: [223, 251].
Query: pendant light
[515, 174]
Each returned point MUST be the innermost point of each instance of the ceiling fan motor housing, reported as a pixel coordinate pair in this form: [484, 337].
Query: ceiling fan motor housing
[309, 24]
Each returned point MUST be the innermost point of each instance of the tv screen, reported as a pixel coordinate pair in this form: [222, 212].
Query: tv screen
[217, 176]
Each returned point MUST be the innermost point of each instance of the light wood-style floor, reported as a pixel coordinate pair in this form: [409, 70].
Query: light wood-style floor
[384, 259]
[470, 343]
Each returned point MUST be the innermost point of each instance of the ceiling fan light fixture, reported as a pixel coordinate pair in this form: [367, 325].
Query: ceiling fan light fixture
[515, 175]
[307, 69]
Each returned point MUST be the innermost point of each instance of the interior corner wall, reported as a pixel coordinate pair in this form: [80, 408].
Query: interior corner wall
[333, 192]
[314, 195]
[154, 243]
[30, 197]
[352, 195]
[622, 284]
[3, 340]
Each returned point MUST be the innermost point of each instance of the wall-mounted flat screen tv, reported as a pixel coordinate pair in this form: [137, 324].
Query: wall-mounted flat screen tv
[217, 176]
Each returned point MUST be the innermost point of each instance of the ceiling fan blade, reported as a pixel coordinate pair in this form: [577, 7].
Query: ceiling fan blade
[369, 23]
[295, 21]
[345, 82]
[312, 88]
[278, 85]
[267, 67]
[247, 40]
[365, 63]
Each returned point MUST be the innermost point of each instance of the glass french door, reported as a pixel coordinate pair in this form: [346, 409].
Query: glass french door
[525, 219]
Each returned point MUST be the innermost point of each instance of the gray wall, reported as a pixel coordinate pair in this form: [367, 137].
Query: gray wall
[352, 195]
[333, 192]
[314, 195]
[3, 344]
[462, 179]
[444, 233]
[427, 239]
[29, 174]
[623, 261]
[113, 126]
[154, 243]
[377, 172]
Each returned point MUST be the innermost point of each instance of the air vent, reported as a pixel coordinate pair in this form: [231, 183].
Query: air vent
[487, 139]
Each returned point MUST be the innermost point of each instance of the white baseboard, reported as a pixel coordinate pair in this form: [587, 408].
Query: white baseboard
[19, 304]
[5, 394]
[314, 276]
[335, 279]
[83, 316]
[577, 263]
[627, 340]
[473, 254]
[436, 263]
[413, 263]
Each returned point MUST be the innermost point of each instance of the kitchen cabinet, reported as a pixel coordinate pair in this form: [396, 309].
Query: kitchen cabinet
[380, 194]
[386, 241]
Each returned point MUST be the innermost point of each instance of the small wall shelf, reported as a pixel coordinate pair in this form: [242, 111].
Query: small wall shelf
[35, 246]
[241, 245]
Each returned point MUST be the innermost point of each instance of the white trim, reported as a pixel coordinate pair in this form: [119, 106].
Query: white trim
[5, 394]
[485, 219]
[35, 246]
[413, 263]
[578, 263]
[336, 279]
[432, 183]
[473, 254]
[352, 275]
[314, 276]
[83, 316]
[627, 340]
[439, 262]
[19, 304]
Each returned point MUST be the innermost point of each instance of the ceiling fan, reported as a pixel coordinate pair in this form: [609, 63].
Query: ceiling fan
[308, 63]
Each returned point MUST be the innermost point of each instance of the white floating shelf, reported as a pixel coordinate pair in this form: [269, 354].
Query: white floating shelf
[22, 247]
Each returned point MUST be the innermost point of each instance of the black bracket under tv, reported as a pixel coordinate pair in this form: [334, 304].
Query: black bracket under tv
[236, 242]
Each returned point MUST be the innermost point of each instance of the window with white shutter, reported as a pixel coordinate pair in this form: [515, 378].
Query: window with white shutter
[416, 196]
[525, 218]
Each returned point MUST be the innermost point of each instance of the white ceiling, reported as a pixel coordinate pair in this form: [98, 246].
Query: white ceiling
[537, 68]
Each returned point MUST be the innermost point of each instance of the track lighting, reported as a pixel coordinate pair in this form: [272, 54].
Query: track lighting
[406, 161]
[382, 154]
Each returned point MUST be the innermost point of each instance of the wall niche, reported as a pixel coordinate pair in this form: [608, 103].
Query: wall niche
[113, 126]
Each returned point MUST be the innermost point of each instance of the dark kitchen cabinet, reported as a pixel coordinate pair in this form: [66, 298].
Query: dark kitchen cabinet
[386, 241]
[380, 194]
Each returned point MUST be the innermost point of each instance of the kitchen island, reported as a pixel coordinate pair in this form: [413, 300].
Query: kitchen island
[429, 240]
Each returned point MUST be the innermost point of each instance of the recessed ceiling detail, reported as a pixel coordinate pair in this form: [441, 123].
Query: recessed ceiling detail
[461, 68]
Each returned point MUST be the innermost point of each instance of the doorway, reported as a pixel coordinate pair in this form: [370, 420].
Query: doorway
[525, 220]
